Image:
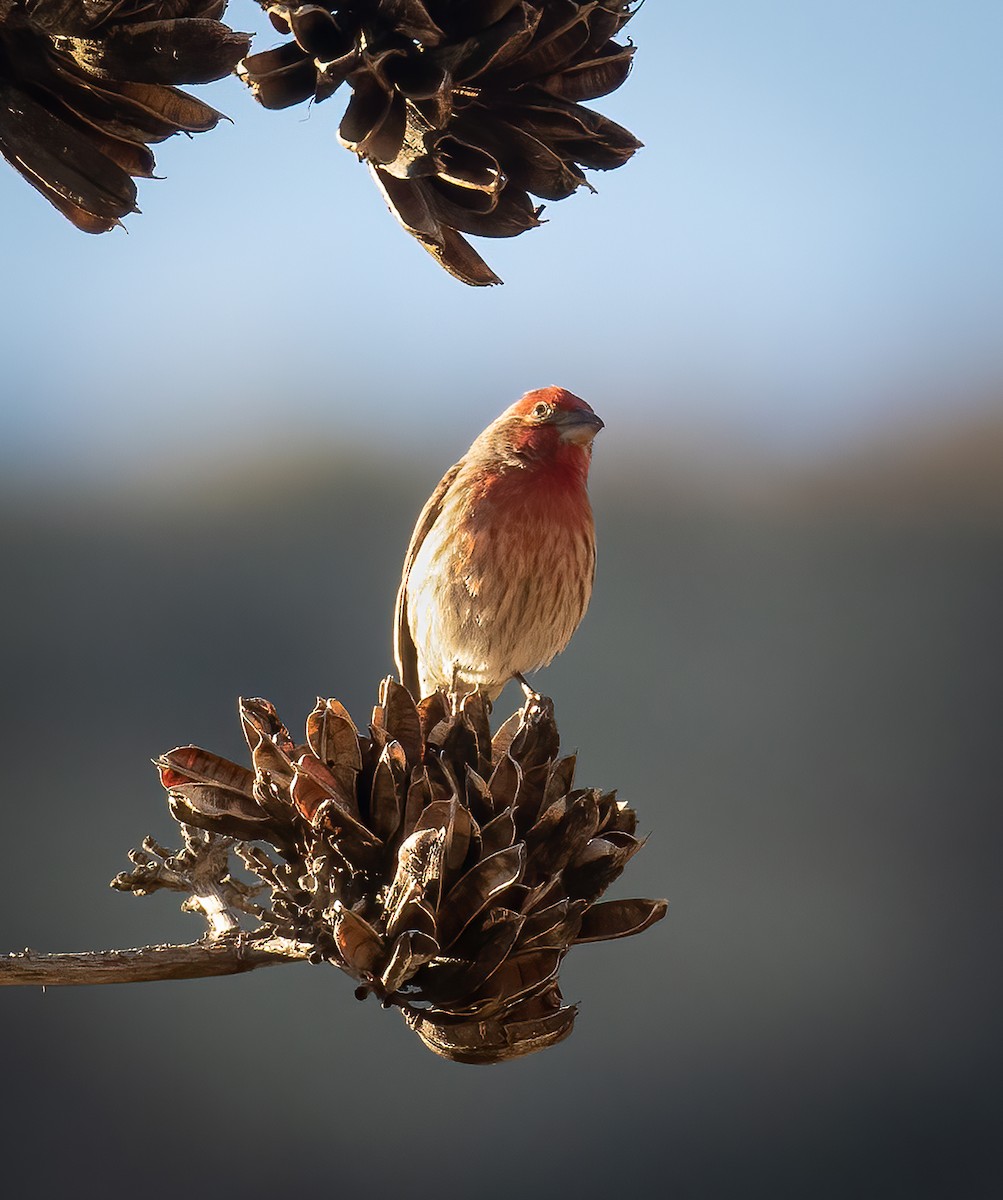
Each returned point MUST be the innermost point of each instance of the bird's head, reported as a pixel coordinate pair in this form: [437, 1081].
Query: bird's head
[550, 421]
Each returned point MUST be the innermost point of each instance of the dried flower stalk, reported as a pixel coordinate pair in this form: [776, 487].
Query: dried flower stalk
[86, 86]
[447, 871]
[462, 109]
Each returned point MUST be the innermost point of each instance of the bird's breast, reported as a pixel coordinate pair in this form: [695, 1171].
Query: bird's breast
[504, 578]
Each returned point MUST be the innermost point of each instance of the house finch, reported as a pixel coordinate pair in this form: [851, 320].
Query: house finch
[499, 571]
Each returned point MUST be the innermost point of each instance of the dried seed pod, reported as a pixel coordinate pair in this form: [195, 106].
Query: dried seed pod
[462, 109]
[84, 89]
[451, 895]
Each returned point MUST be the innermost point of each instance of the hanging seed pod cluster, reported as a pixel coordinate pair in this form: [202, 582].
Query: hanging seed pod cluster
[464, 110]
[447, 871]
[86, 86]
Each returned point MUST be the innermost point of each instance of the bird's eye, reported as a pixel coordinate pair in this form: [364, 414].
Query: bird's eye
[542, 411]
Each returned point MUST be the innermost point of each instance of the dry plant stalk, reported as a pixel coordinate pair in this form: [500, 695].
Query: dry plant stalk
[447, 871]
[86, 86]
[462, 109]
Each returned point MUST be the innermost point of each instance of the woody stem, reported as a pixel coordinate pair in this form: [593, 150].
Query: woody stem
[148, 964]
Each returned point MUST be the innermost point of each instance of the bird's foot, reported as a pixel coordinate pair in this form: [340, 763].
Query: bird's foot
[456, 701]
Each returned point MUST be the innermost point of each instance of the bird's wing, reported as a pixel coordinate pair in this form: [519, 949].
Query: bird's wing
[405, 651]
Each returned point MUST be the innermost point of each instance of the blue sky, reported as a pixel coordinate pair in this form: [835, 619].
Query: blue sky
[808, 247]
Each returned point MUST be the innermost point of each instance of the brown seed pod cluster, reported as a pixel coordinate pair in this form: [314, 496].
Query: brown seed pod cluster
[446, 870]
[87, 85]
[463, 109]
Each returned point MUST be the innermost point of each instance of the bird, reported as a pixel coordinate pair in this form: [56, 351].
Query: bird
[499, 570]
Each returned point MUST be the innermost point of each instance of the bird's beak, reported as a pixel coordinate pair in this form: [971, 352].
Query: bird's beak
[579, 427]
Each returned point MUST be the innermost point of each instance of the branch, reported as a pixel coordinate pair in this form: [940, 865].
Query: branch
[198, 960]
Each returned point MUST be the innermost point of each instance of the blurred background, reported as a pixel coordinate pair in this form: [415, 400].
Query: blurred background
[216, 432]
